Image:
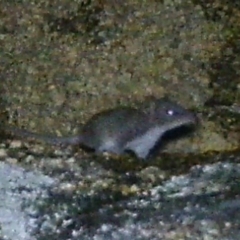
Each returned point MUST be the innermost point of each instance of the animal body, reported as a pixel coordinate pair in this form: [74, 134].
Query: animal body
[124, 128]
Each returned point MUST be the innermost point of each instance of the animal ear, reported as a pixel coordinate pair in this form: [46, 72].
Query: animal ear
[150, 101]
[149, 104]
[150, 98]
[153, 98]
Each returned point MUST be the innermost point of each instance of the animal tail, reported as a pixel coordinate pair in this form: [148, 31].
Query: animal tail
[55, 140]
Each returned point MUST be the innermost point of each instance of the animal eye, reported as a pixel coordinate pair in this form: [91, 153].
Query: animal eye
[170, 112]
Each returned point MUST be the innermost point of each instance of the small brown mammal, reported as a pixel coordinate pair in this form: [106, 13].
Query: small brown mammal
[124, 128]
